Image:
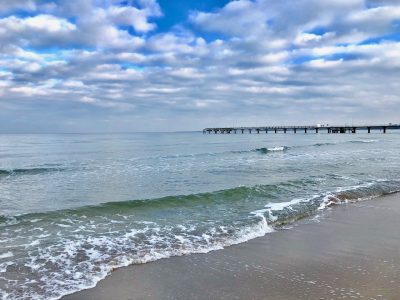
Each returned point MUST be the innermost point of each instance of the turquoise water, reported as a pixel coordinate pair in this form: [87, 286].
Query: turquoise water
[75, 206]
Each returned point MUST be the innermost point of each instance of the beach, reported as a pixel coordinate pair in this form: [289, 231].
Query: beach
[350, 252]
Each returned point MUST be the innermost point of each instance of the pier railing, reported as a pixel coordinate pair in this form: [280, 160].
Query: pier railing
[302, 128]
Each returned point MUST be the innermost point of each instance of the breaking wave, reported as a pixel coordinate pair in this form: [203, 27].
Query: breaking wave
[272, 149]
[27, 171]
[70, 250]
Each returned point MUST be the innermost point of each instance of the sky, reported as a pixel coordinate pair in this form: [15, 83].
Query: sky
[148, 65]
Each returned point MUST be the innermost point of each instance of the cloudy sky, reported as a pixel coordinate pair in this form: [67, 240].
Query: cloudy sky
[148, 65]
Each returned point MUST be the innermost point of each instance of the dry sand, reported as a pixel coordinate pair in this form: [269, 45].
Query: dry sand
[353, 252]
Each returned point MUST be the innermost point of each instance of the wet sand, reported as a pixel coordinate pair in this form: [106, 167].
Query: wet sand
[352, 252]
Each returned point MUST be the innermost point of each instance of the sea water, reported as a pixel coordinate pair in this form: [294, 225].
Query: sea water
[73, 207]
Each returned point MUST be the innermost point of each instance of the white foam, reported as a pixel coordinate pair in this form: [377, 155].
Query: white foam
[82, 258]
[64, 225]
[367, 141]
[35, 220]
[102, 254]
[3, 269]
[280, 148]
[331, 197]
[6, 255]
[279, 206]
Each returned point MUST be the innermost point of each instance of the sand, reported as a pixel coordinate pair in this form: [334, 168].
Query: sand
[351, 252]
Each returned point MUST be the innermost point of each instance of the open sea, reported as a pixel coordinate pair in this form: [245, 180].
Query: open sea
[73, 207]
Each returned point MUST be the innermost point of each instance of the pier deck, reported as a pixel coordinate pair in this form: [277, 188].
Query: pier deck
[304, 129]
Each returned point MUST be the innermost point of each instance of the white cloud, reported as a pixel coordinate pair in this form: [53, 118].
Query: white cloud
[188, 73]
[73, 84]
[29, 91]
[307, 39]
[130, 16]
[237, 18]
[40, 30]
[324, 64]
[91, 25]
[39, 23]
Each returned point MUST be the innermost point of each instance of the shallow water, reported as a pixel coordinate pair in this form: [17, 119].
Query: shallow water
[75, 206]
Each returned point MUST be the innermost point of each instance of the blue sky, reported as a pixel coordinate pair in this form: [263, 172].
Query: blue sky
[147, 65]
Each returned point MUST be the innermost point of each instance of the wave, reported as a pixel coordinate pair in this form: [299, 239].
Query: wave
[323, 144]
[263, 150]
[287, 212]
[27, 171]
[75, 248]
[272, 149]
[363, 141]
[232, 195]
[339, 143]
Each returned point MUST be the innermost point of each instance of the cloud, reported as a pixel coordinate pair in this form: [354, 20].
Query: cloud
[25, 31]
[250, 61]
[137, 18]
[80, 24]
[10, 6]
[237, 18]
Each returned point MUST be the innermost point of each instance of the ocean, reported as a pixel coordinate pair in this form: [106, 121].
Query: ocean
[74, 207]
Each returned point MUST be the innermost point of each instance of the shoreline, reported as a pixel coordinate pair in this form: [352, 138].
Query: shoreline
[351, 252]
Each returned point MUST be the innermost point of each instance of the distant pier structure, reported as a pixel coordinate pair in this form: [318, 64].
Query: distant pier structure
[302, 129]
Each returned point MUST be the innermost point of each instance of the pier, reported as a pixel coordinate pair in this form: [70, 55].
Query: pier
[302, 129]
